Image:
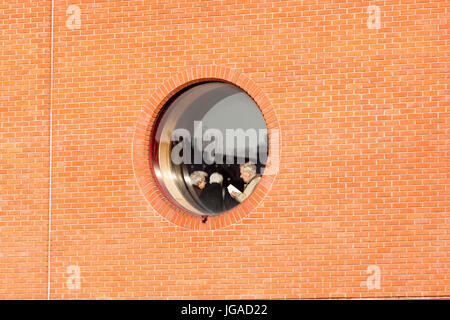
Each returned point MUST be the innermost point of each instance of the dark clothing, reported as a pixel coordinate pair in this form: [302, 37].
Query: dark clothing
[228, 201]
[211, 197]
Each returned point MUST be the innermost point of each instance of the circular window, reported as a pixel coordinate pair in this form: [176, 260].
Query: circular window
[209, 147]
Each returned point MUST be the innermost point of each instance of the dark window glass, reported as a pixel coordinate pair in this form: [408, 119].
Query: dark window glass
[206, 132]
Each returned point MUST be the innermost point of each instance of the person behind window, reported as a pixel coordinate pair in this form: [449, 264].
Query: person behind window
[251, 180]
[198, 179]
[228, 201]
[212, 196]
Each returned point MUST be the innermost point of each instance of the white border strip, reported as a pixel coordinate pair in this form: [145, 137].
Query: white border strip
[51, 162]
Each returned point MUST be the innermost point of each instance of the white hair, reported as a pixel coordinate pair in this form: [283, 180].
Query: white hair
[216, 178]
[197, 177]
[249, 166]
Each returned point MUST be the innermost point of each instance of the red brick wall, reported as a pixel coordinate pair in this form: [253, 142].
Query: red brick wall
[359, 207]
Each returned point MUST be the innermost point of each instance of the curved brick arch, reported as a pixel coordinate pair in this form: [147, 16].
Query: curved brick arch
[141, 146]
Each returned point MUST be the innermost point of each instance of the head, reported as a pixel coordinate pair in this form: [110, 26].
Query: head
[216, 178]
[248, 171]
[198, 178]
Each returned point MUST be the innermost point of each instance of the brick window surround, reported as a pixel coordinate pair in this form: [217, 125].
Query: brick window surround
[141, 146]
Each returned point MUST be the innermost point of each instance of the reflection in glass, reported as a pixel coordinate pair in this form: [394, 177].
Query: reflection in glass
[211, 127]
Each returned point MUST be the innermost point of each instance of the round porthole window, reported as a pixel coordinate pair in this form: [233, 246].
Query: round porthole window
[209, 147]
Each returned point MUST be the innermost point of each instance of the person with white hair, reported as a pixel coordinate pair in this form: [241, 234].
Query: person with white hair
[198, 179]
[212, 196]
[251, 180]
[216, 178]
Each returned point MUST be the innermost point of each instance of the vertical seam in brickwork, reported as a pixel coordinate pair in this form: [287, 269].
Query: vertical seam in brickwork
[50, 156]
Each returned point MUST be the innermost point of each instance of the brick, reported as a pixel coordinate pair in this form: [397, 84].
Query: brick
[364, 165]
